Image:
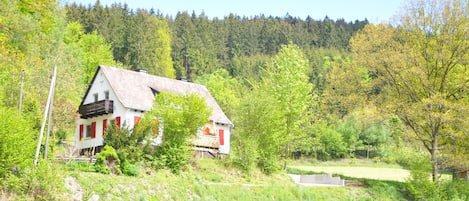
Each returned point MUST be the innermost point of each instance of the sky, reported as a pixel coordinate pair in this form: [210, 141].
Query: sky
[376, 11]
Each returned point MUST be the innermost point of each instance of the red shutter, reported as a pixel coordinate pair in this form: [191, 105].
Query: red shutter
[221, 136]
[118, 122]
[81, 131]
[156, 130]
[93, 130]
[136, 120]
[104, 126]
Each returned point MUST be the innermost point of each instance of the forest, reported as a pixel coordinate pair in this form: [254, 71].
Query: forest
[316, 89]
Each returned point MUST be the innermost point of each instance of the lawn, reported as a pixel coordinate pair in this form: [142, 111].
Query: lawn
[206, 180]
[360, 168]
[379, 173]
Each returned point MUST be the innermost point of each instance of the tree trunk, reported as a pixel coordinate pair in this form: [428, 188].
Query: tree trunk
[434, 153]
[287, 151]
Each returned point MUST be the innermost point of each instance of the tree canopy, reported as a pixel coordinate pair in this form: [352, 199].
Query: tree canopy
[420, 69]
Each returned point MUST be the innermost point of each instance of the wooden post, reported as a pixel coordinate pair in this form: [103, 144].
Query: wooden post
[49, 123]
[41, 132]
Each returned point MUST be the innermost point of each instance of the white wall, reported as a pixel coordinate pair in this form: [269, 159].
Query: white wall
[91, 142]
[99, 86]
[224, 149]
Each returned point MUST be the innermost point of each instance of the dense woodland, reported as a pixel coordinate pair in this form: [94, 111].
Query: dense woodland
[315, 89]
[139, 38]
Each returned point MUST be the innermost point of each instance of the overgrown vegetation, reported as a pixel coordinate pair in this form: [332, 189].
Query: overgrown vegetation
[176, 117]
[181, 117]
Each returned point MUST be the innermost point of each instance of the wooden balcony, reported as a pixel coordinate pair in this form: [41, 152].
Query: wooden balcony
[207, 141]
[96, 109]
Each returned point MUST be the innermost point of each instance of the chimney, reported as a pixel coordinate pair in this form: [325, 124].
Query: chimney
[143, 71]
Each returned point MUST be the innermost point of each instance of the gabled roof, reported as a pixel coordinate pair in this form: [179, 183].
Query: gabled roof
[136, 90]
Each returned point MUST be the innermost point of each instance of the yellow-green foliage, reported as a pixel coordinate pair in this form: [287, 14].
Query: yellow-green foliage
[181, 117]
[17, 145]
[107, 161]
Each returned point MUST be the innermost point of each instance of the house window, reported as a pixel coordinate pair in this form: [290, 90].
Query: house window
[88, 132]
[95, 97]
[106, 95]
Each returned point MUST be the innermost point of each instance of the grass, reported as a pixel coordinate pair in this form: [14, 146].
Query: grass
[361, 168]
[182, 187]
[209, 179]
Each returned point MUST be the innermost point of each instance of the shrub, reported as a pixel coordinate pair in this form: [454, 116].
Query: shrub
[181, 117]
[454, 190]
[44, 184]
[130, 143]
[107, 161]
[129, 169]
[17, 143]
[268, 163]
[245, 154]
[420, 185]
[174, 157]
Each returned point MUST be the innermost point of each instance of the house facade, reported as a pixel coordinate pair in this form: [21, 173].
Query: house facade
[121, 97]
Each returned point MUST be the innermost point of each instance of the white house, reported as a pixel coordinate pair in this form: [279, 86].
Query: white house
[123, 96]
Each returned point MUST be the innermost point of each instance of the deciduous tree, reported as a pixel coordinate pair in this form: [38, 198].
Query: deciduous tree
[181, 117]
[421, 70]
[288, 84]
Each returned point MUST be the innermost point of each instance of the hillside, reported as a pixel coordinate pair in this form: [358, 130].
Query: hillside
[209, 179]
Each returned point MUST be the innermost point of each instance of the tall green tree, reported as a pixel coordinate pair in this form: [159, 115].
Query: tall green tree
[420, 68]
[346, 88]
[162, 47]
[258, 138]
[95, 52]
[181, 117]
[150, 44]
[289, 85]
[184, 46]
[225, 89]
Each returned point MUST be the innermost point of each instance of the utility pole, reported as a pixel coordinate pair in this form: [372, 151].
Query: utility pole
[49, 99]
[49, 124]
[20, 103]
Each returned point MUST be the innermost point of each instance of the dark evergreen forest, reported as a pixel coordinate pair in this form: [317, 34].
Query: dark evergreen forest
[201, 45]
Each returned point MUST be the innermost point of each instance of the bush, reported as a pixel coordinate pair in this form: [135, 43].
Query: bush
[44, 184]
[181, 117]
[420, 185]
[245, 154]
[268, 163]
[174, 157]
[17, 144]
[107, 161]
[129, 169]
[454, 190]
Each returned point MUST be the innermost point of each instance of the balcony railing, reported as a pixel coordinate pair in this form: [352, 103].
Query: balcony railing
[95, 109]
[208, 141]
